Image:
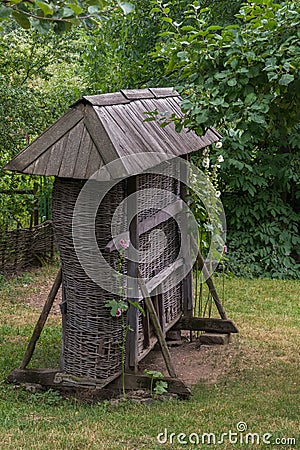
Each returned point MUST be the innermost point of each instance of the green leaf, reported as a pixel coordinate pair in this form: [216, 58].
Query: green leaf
[93, 9]
[286, 79]
[76, 8]
[45, 7]
[67, 12]
[126, 7]
[137, 306]
[4, 12]
[232, 82]
[214, 28]
[22, 20]
[188, 28]
[257, 118]
[167, 19]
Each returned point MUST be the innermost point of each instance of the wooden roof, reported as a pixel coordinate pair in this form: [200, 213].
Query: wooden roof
[101, 128]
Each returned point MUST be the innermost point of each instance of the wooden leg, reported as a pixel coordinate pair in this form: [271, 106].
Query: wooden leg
[41, 321]
[157, 327]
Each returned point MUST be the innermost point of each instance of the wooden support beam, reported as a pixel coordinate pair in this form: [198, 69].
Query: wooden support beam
[134, 382]
[97, 389]
[211, 287]
[132, 271]
[206, 324]
[156, 325]
[42, 320]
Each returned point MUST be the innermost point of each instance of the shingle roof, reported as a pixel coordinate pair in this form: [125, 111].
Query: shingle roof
[101, 128]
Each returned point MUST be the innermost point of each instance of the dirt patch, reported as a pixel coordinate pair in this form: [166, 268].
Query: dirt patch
[193, 362]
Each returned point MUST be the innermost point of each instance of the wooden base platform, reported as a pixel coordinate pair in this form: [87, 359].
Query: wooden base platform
[90, 389]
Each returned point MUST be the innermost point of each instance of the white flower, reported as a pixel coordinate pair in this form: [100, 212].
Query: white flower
[220, 157]
[218, 166]
[205, 162]
[218, 194]
[205, 151]
[219, 144]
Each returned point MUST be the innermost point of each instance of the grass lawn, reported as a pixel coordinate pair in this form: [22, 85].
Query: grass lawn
[260, 386]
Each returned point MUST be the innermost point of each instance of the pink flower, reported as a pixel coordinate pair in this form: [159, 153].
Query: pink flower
[124, 243]
[119, 312]
[225, 248]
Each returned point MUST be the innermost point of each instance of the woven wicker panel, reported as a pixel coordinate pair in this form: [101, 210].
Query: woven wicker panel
[24, 248]
[91, 336]
[172, 299]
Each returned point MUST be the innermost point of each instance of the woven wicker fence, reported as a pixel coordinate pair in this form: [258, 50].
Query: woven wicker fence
[24, 248]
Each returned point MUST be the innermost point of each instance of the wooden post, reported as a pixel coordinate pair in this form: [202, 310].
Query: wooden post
[132, 289]
[212, 288]
[41, 321]
[187, 283]
[157, 327]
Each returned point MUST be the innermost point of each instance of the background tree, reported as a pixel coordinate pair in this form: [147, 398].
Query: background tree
[244, 79]
[38, 82]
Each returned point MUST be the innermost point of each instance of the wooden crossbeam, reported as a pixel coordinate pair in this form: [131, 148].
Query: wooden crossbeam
[206, 324]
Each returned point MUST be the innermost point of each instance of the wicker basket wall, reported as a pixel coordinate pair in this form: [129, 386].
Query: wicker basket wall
[172, 299]
[91, 336]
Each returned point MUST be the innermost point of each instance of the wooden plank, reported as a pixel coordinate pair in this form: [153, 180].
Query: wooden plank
[81, 164]
[136, 94]
[211, 286]
[158, 279]
[41, 164]
[99, 129]
[138, 381]
[71, 151]
[42, 320]
[114, 98]
[99, 134]
[171, 210]
[56, 157]
[47, 139]
[206, 324]
[164, 92]
[95, 161]
[132, 271]
[157, 327]
[146, 329]
[161, 312]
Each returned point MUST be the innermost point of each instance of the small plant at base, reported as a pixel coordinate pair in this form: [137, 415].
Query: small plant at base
[118, 308]
[160, 387]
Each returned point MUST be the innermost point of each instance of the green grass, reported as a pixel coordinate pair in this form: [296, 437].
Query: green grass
[259, 384]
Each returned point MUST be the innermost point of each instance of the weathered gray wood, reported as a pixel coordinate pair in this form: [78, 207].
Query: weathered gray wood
[114, 98]
[206, 324]
[138, 381]
[117, 127]
[70, 153]
[149, 223]
[158, 279]
[132, 271]
[42, 320]
[86, 146]
[133, 94]
[95, 161]
[45, 141]
[56, 156]
[99, 135]
[157, 327]
[211, 287]
[163, 92]
[53, 378]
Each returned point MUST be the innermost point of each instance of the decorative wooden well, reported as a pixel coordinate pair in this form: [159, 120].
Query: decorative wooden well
[96, 131]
